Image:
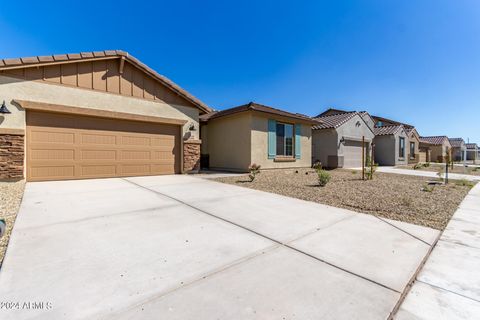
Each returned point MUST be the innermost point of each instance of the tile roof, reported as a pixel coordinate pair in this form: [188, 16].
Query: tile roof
[405, 125]
[18, 63]
[252, 106]
[435, 140]
[386, 130]
[471, 146]
[333, 121]
[331, 112]
[456, 142]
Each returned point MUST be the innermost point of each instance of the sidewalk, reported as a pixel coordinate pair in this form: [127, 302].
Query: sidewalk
[448, 287]
[453, 176]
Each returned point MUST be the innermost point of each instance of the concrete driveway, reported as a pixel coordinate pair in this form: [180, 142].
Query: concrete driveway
[180, 247]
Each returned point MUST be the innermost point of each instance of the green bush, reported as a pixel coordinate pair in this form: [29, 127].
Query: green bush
[426, 164]
[427, 188]
[323, 177]
[417, 166]
[254, 170]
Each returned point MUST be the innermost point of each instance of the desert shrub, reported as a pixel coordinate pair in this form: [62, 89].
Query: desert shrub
[427, 188]
[464, 183]
[323, 177]
[417, 166]
[317, 165]
[354, 171]
[254, 170]
[426, 164]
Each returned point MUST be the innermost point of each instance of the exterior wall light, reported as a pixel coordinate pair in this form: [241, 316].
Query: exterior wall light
[192, 127]
[3, 108]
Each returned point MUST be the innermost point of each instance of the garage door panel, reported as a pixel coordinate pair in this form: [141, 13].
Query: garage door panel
[75, 151]
[352, 154]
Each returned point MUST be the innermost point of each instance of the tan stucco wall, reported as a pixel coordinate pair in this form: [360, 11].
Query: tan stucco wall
[228, 142]
[260, 143]
[11, 89]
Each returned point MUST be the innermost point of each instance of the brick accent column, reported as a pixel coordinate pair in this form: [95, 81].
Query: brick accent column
[12, 153]
[191, 156]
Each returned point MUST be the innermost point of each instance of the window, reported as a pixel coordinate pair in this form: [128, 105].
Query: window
[284, 139]
[379, 123]
[412, 150]
[401, 147]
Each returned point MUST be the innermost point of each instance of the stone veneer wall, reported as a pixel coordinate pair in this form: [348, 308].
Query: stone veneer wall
[11, 156]
[191, 155]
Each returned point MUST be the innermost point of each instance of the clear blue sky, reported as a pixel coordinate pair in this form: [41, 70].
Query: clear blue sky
[413, 61]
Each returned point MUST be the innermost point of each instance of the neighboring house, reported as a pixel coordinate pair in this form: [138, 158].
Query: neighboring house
[458, 148]
[94, 115]
[424, 151]
[413, 145]
[337, 141]
[391, 143]
[472, 151]
[253, 133]
[440, 147]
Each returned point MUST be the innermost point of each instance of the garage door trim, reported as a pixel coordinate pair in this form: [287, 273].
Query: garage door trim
[49, 107]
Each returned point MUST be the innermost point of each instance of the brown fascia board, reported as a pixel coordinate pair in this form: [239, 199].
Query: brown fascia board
[259, 108]
[19, 63]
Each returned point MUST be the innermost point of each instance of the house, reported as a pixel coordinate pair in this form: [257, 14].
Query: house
[414, 146]
[94, 115]
[253, 133]
[391, 145]
[424, 151]
[472, 151]
[396, 143]
[458, 148]
[341, 137]
[440, 147]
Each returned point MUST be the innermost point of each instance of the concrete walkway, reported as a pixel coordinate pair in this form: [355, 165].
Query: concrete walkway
[448, 287]
[181, 247]
[430, 174]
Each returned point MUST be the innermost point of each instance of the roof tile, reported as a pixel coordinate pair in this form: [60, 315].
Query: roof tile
[435, 140]
[74, 56]
[86, 54]
[28, 60]
[97, 54]
[333, 121]
[60, 57]
[12, 62]
[45, 58]
[387, 130]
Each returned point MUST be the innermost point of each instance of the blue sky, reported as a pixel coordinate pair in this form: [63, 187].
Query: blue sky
[413, 61]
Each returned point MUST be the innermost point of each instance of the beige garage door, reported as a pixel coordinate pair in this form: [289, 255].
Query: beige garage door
[352, 154]
[61, 146]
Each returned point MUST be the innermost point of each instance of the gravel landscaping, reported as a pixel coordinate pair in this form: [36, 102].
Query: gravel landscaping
[435, 167]
[10, 197]
[397, 197]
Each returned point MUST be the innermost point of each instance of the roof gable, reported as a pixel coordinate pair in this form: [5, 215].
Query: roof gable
[435, 140]
[112, 71]
[252, 106]
[337, 120]
[331, 112]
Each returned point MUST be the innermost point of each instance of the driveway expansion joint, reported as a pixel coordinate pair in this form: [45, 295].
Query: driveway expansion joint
[269, 238]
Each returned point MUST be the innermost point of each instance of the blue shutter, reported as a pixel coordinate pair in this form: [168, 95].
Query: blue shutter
[298, 134]
[272, 138]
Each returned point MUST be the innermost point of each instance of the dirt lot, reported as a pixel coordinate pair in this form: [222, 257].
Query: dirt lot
[398, 197]
[435, 167]
[10, 197]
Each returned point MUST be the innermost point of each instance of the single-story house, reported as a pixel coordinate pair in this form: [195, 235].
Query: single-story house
[341, 137]
[458, 148]
[424, 151]
[390, 145]
[440, 147]
[94, 115]
[472, 151]
[235, 138]
[413, 145]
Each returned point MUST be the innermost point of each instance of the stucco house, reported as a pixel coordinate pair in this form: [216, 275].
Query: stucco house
[94, 115]
[472, 151]
[458, 148]
[439, 147]
[234, 138]
[413, 145]
[391, 145]
[337, 141]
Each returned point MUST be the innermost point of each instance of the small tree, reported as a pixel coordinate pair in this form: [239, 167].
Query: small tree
[370, 168]
[254, 170]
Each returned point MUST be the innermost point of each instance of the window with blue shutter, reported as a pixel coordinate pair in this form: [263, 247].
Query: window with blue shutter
[272, 138]
[298, 134]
